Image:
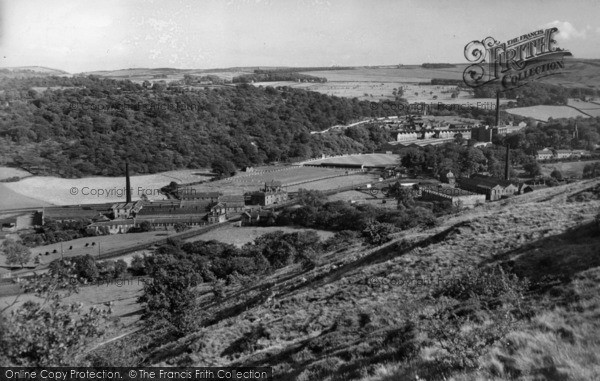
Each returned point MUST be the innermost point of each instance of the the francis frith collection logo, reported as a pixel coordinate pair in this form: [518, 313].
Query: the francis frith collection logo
[514, 63]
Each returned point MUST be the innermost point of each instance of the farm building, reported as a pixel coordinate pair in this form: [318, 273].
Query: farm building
[458, 197]
[258, 217]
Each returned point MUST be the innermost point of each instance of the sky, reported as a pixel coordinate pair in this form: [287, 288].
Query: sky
[87, 35]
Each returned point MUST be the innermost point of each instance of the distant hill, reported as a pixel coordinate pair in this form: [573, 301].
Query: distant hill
[30, 71]
[578, 73]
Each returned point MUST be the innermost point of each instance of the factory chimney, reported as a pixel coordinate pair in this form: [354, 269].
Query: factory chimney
[506, 162]
[127, 183]
[506, 159]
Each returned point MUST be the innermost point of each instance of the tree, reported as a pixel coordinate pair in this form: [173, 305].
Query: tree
[377, 233]
[404, 195]
[557, 174]
[145, 226]
[51, 332]
[179, 227]
[15, 252]
[223, 168]
[591, 171]
[532, 167]
[313, 198]
[412, 158]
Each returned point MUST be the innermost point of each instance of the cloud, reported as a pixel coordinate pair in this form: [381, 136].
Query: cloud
[566, 30]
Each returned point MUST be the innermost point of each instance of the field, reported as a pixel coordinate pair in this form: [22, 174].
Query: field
[153, 75]
[543, 113]
[568, 169]
[338, 182]
[38, 191]
[57, 191]
[8, 172]
[292, 177]
[370, 159]
[375, 91]
[103, 244]
[590, 108]
[10, 199]
[123, 294]
[410, 73]
[578, 73]
[241, 235]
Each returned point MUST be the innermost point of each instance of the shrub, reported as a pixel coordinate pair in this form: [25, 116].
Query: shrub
[556, 174]
[138, 265]
[54, 332]
[179, 227]
[482, 306]
[168, 296]
[378, 233]
[341, 239]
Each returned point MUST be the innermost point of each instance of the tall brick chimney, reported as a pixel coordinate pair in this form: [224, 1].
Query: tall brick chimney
[127, 183]
[506, 159]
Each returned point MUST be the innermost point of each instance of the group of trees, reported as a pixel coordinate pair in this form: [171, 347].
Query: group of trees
[591, 170]
[87, 270]
[50, 331]
[89, 126]
[54, 231]
[175, 269]
[316, 212]
[460, 159]
[464, 160]
[276, 76]
[534, 93]
[16, 253]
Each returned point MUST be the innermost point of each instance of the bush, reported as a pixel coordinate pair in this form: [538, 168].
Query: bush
[54, 332]
[179, 227]
[377, 233]
[341, 239]
[168, 296]
[556, 174]
[138, 265]
[482, 306]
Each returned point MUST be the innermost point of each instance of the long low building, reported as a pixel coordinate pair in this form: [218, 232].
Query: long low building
[458, 197]
[122, 226]
[493, 188]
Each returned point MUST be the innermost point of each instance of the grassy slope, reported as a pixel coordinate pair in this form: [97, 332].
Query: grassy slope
[330, 323]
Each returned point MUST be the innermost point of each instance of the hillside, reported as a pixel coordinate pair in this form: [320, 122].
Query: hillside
[380, 313]
[30, 71]
[90, 126]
